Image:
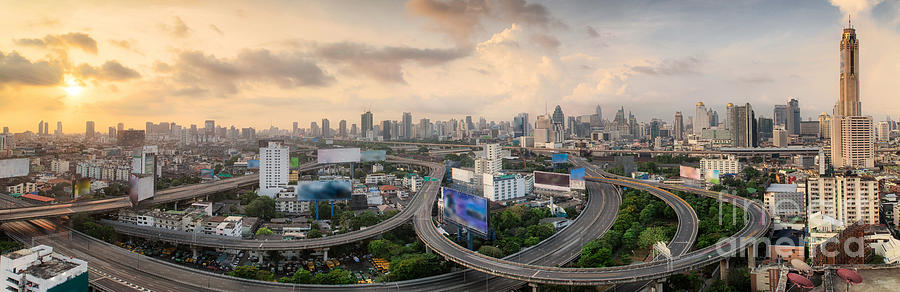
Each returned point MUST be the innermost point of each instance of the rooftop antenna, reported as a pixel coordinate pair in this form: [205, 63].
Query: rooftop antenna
[849, 20]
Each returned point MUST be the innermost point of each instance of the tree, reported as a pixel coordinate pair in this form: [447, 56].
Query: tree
[531, 241]
[595, 255]
[246, 272]
[334, 277]
[491, 251]
[414, 266]
[247, 197]
[541, 231]
[651, 236]
[314, 233]
[262, 207]
[264, 231]
[382, 248]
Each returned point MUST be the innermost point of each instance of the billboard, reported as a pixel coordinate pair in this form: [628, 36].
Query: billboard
[373, 155]
[551, 181]
[560, 158]
[463, 175]
[689, 172]
[295, 162]
[253, 164]
[466, 210]
[712, 176]
[338, 155]
[331, 190]
[82, 187]
[576, 178]
[206, 173]
[140, 187]
[14, 167]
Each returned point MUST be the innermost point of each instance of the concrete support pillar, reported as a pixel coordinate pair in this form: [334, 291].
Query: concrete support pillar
[261, 255]
[534, 287]
[658, 287]
[427, 249]
[325, 254]
[195, 251]
[723, 269]
[751, 256]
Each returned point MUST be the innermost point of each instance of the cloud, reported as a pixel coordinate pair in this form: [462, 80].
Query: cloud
[15, 69]
[591, 31]
[111, 71]
[546, 41]
[178, 28]
[74, 39]
[198, 71]
[756, 79]
[386, 63]
[461, 18]
[671, 67]
[855, 7]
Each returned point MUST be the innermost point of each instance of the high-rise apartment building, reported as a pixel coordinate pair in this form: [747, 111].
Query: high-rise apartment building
[59, 129]
[366, 125]
[542, 129]
[701, 119]
[849, 199]
[342, 129]
[406, 128]
[793, 117]
[89, 130]
[386, 132]
[274, 166]
[326, 128]
[490, 161]
[824, 126]
[744, 132]
[678, 126]
[40, 127]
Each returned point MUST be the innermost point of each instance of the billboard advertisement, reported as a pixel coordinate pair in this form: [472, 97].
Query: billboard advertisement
[206, 173]
[551, 181]
[373, 155]
[82, 187]
[466, 210]
[253, 164]
[560, 158]
[463, 175]
[338, 155]
[14, 167]
[689, 172]
[331, 190]
[295, 162]
[576, 178]
[712, 176]
[140, 187]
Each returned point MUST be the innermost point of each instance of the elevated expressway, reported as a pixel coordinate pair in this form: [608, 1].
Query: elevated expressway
[757, 224]
[597, 217]
[106, 205]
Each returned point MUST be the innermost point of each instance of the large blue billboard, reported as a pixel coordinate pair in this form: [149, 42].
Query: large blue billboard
[560, 158]
[576, 174]
[253, 164]
[466, 210]
[332, 190]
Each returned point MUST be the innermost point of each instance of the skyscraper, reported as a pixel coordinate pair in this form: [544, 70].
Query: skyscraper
[852, 134]
[849, 104]
[59, 128]
[406, 128]
[89, 130]
[40, 127]
[386, 130]
[793, 117]
[701, 119]
[521, 125]
[780, 115]
[744, 132]
[342, 129]
[557, 124]
[599, 113]
[274, 166]
[366, 124]
[679, 126]
[326, 128]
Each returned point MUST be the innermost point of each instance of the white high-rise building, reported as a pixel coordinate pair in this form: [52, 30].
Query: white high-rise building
[701, 119]
[274, 167]
[503, 187]
[883, 131]
[727, 165]
[491, 161]
[852, 142]
[847, 199]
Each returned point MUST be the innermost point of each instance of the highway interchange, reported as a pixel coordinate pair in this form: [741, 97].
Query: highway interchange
[535, 265]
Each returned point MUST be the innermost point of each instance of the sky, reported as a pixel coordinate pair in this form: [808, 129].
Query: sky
[271, 63]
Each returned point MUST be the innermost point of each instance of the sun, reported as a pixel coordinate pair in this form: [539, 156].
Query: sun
[73, 87]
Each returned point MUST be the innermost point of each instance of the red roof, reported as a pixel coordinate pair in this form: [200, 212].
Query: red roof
[38, 198]
[386, 188]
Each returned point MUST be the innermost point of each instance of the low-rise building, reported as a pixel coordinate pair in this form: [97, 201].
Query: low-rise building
[784, 201]
[38, 269]
[503, 187]
[727, 165]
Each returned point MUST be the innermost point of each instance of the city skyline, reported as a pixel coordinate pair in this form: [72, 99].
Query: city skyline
[77, 69]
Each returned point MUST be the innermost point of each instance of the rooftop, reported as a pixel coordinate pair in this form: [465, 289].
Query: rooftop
[50, 268]
[782, 188]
